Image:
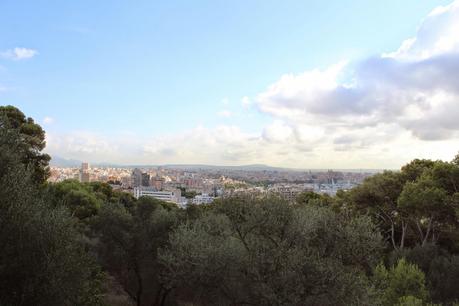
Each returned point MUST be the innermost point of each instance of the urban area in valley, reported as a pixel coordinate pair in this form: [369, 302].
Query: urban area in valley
[185, 185]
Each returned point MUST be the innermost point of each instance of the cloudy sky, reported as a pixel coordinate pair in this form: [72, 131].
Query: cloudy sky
[303, 84]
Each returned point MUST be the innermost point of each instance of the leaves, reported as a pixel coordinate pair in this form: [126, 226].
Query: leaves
[264, 251]
[399, 282]
[30, 141]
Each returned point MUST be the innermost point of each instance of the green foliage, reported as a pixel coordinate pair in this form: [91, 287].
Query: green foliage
[446, 176]
[400, 284]
[418, 205]
[380, 190]
[456, 159]
[443, 277]
[253, 250]
[263, 251]
[42, 261]
[82, 200]
[428, 206]
[440, 267]
[188, 194]
[421, 256]
[128, 242]
[413, 170]
[378, 196]
[409, 301]
[314, 199]
[421, 197]
[30, 141]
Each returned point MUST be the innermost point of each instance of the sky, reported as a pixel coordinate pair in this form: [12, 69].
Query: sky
[293, 83]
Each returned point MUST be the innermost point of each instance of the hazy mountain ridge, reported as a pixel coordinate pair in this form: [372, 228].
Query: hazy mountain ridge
[57, 161]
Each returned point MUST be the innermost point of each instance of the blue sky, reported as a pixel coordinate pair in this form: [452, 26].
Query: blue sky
[117, 74]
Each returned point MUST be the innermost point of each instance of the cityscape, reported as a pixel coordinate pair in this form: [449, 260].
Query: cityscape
[229, 153]
[184, 185]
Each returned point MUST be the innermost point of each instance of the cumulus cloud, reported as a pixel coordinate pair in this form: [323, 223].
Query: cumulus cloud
[229, 145]
[438, 34]
[18, 53]
[415, 88]
[379, 112]
[278, 131]
[220, 145]
[83, 145]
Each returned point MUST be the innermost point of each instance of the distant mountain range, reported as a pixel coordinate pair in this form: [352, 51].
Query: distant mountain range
[254, 167]
[57, 161]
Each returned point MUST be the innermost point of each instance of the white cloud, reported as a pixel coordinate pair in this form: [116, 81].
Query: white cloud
[18, 53]
[229, 145]
[85, 145]
[415, 88]
[438, 34]
[277, 131]
[221, 145]
[294, 95]
[380, 112]
[225, 113]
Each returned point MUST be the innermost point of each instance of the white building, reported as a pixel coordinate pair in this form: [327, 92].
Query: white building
[167, 196]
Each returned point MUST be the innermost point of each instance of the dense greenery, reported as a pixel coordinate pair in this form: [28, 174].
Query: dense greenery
[262, 251]
[32, 141]
[42, 258]
[393, 240]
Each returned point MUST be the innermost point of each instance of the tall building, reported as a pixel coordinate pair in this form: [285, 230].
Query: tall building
[85, 166]
[157, 182]
[145, 180]
[136, 177]
[84, 173]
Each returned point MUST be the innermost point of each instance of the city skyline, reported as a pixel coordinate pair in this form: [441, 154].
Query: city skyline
[156, 84]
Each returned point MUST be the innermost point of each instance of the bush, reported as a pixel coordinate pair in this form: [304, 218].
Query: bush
[403, 282]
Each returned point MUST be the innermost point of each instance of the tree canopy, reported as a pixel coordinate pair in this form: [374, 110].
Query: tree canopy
[30, 141]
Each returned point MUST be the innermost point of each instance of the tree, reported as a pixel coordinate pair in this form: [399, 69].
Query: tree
[400, 283]
[81, 199]
[378, 196]
[456, 160]
[31, 138]
[416, 205]
[312, 198]
[263, 251]
[446, 176]
[42, 261]
[440, 267]
[409, 300]
[413, 170]
[129, 240]
[428, 207]
[443, 277]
